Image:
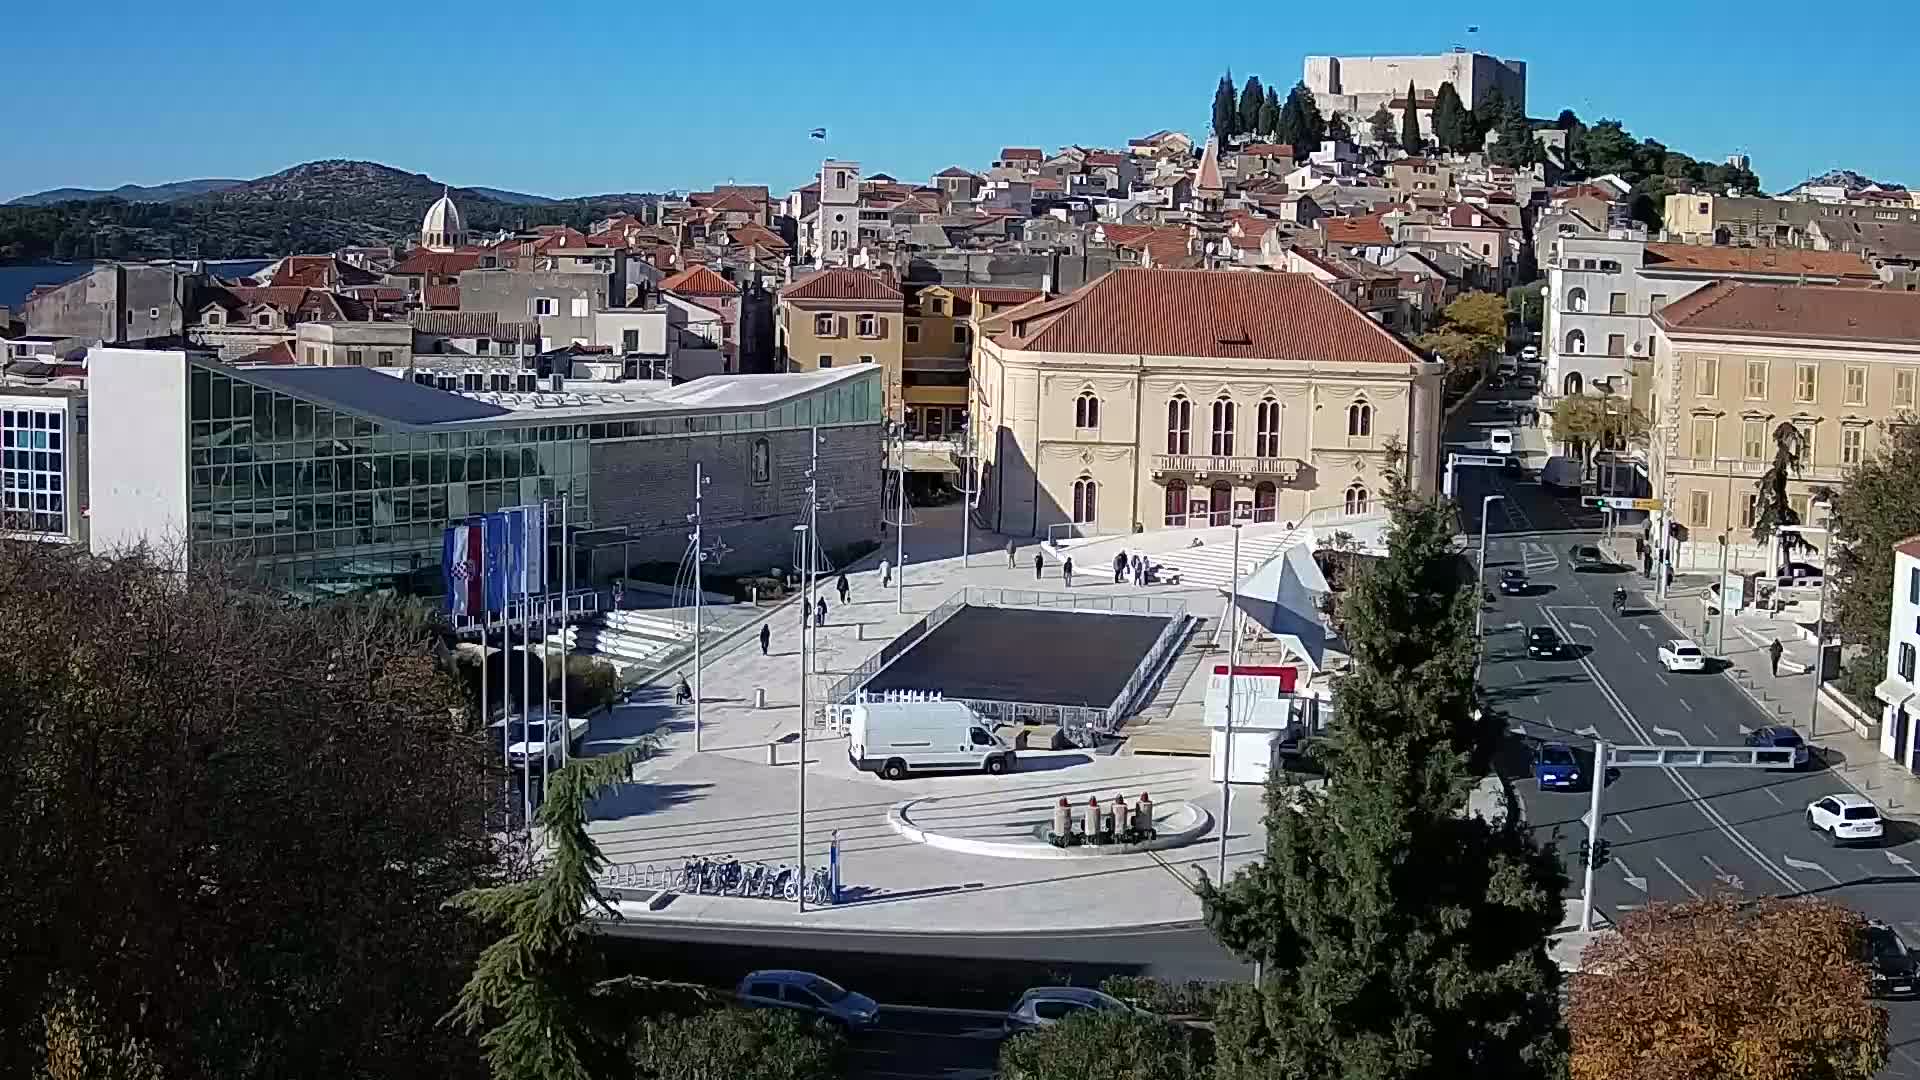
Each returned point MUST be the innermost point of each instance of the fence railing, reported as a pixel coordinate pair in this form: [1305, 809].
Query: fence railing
[981, 596]
[584, 603]
[847, 685]
[1169, 639]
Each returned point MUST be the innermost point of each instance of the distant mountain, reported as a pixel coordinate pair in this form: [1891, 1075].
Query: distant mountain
[1845, 178]
[313, 207]
[179, 189]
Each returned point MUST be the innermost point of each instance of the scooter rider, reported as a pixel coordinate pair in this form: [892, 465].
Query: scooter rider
[1619, 601]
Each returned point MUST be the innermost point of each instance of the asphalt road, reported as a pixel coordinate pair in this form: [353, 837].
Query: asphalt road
[1673, 833]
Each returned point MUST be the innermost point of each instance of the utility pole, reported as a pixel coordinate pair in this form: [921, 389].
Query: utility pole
[1597, 783]
[966, 495]
[900, 527]
[809, 547]
[699, 594]
[1233, 659]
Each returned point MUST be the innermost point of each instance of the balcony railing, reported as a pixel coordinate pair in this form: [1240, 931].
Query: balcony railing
[1745, 467]
[1284, 468]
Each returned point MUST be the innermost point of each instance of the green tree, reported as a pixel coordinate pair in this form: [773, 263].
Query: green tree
[1527, 305]
[1252, 99]
[1308, 127]
[1774, 508]
[1399, 935]
[1338, 129]
[539, 997]
[1226, 114]
[1410, 139]
[1109, 1046]
[1450, 119]
[1598, 421]
[1380, 126]
[735, 1044]
[1516, 147]
[1487, 116]
[1482, 314]
[1874, 510]
[1606, 148]
[1270, 113]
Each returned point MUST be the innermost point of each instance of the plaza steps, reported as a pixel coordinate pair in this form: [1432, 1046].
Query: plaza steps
[1173, 682]
[1212, 564]
[625, 639]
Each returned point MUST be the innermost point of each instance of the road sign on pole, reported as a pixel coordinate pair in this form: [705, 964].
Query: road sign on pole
[1617, 502]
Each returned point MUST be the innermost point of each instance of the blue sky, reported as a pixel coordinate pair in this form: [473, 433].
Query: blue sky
[566, 99]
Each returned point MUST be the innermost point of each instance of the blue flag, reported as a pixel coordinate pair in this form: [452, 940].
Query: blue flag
[502, 557]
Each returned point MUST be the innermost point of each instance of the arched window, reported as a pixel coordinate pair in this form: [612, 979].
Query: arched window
[1359, 419]
[1571, 384]
[1266, 429]
[1223, 410]
[1356, 499]
[1179, 426]
[1265, 495]
[1576, 342]
[1176, 503]
[1086, 411]
[1085, 492]
[1576, 300]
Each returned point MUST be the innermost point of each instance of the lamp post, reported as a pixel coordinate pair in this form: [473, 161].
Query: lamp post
[1233, 658]
[1820, 624]
[1720, 632]
[1480, 572]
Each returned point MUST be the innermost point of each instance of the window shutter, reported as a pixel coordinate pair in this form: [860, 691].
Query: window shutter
[841, 322]
[880, 327]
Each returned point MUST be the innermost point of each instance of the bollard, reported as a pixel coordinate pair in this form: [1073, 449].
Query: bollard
[1143, 813]
[1090, 825]
[1106, 822]
[755, 591]
[773, 753]
[1122, 817]
[1061, 818]
[759, 697]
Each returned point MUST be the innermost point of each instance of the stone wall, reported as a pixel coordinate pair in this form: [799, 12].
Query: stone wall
[646, 487]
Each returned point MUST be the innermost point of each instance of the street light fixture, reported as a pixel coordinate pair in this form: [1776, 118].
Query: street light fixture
[1820, 624]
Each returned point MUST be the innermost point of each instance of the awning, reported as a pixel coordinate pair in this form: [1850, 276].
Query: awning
[1894, 692]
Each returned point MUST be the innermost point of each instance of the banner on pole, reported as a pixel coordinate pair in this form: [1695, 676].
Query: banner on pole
[463, 568]
[501, 559]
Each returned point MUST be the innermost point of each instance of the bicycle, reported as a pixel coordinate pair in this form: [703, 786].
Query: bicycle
[819, 886]
[693, 874]
[726, 876]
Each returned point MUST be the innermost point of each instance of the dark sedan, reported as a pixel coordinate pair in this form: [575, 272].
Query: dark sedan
[1895, 972]
[1514, 582]
[1543, 643]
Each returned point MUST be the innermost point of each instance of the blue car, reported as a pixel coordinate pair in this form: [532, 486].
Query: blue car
[1555, 767]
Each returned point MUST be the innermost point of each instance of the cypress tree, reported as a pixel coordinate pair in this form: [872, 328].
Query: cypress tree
[1225, 114]
[1270, 114]
[1310, 128]
[1449, 118]
[1400, 936]
[1410, 139]
[1252, 97]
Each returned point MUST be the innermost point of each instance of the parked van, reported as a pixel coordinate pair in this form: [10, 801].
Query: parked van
[1507, 366]
[1561, 472]
[895, 738]
[1500, 440]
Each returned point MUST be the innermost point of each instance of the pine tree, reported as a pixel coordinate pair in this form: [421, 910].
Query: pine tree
[1225, 113]
[1252, 97]
[1337, 129]
[1774, 508]
[1380, 126]
[1309, 128]
[539, 996]
[1874, 511]
[1449, 119]
[1400, 936]
[1410, 139]
[1488, 116]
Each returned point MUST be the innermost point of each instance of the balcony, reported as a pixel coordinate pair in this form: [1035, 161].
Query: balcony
[1201, 467]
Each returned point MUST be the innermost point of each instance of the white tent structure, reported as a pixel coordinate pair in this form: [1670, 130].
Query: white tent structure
[1282, 598]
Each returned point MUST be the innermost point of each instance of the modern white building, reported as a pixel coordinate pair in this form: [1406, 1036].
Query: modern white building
[1602, 312]
[1899, 734]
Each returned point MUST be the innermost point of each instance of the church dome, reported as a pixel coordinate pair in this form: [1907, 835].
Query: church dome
[442, 227]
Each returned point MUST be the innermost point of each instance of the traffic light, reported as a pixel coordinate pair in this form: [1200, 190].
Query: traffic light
[1593, 502]
[1596, 854]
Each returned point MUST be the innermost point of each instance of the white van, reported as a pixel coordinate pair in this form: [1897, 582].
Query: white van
[1500, 440]
[1507, 366]
[1562, 472]
[894, 738]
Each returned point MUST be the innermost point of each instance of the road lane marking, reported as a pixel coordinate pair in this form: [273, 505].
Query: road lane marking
[1684, 705]
[1571, 625]
[1731, 881]
[1616, 629]
[1518, 672]
[1662, 678]
[1621, 819]
[1772, 796]
[1902, 863]
[1680, 781]
[1801, 864]
[1668, 733]
[1637, 882]
[1677, 879]
[1535, 698]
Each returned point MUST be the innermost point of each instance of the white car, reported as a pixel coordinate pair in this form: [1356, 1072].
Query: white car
[523, 743]
[1045, 1006]
[1846, 819]
[1682, 655]
[1530, 354]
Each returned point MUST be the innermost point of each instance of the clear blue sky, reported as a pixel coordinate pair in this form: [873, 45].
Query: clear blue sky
[572, 99]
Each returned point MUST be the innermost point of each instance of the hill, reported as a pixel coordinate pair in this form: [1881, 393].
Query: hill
[1845, 178]
[316, 206]
[514, 198]
[179, 189]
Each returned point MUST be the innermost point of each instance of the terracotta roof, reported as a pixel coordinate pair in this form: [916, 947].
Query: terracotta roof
[1208, 313]
[699, 281]
[735, 202]
[320, 272]
[753, 193]
[1786, 262]
[956, 171]
[752, 234]
[996, 295]
[441, 297]
[1102, 158]
[1267, 150]
[841, 283]
[1021, 153]
[436, 262]
[1046, 183]
[280, 352]
[1366, 229]
[1909, 547]
[1127, 235]
[1820, 312]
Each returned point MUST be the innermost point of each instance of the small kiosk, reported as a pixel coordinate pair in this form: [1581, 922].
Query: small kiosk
[1281, 695]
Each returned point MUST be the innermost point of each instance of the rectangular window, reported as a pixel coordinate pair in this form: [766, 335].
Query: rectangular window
[1656, 302]
[581, 307]
[869, 326]
[1703, 438]
[386, 357]
[1617, 303]
[1907, 657]
[543, 305]
[1853, 442]
[630, 341]
[1756, 380]
[354, 357]
[1913, 586]
[959, 335]
[1856, 385]
[826, 361]
[823, 326]
[1701, 509]
[1806, 382]
[1706, 377]
[1616, 345]
[1749, 511]
[1806, 444]
[1753, 440]
[913, 335]
[1903, 388]
[1799, 503]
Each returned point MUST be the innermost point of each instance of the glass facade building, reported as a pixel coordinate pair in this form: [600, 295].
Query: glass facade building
[33, 468]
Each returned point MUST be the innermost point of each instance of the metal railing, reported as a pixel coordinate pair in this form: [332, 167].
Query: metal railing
[1169, 639]
[1080, 722]
[1286, 468]
[844, 688]
[981, 596]
[1700, 757]
[585, 603]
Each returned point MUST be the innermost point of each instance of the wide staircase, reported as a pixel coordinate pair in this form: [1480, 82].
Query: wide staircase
[1212, 564]
[628, 640]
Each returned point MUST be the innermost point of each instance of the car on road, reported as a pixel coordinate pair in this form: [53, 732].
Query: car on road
[811, 995]
[1543, 643]
[1045, 1006]
[1679, 654]
[1894, 970]
[1782, 737]
[1513, 582]
[1530, 354]
[1528, 384]
[1585, 555]
[1500, 440]
[1554, 766]
[524, 737]
[1846, 819]
[1800, 574]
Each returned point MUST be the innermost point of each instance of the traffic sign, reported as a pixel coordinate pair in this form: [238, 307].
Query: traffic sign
[1616, 502]
[1476, 459]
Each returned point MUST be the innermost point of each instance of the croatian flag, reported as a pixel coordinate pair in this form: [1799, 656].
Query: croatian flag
[502, 560]
[462, 553]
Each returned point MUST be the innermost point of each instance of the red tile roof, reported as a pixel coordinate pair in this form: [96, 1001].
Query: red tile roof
[1818, 312]
[1021, 153]
[441, 297]
[956, 171]
[436, 262]
[320, 272]
[699, 281]
[280, 352]
[1267, 150]
[1099, 159]
[1208, 313]
[1784, 262]
[1910, 547]
[1367, 229]
[841, 283]
[735, 202]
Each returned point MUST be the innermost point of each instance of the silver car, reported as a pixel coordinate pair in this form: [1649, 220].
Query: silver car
[805, 992]
[1045, 1006]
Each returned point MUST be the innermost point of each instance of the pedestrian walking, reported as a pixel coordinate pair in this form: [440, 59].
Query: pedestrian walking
[1139, 569]
[820, 612]
[886, 573]
[1120, 565]
[1066, 571]
[843, 587]
[766, 635]
[1038, 564]
[682, 693]
[1009, 554]
[1774, 650]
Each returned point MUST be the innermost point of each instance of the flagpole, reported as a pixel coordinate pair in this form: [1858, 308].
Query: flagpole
[566, 610]
[699, 556]
[526, 693]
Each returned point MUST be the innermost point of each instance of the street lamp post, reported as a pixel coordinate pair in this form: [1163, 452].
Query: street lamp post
[1233, 658]
[1720, 632]
[1480, 572]
[1820, 624]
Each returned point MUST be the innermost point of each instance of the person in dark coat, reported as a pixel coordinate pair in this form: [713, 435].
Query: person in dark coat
[843, 587]
[766, 635]
[1066, 571]
[820, 612]
[1119, 566]
[1039, 564]
[1774, 649]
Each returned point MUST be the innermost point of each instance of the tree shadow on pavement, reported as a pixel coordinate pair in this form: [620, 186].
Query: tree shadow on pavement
[634, 800]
